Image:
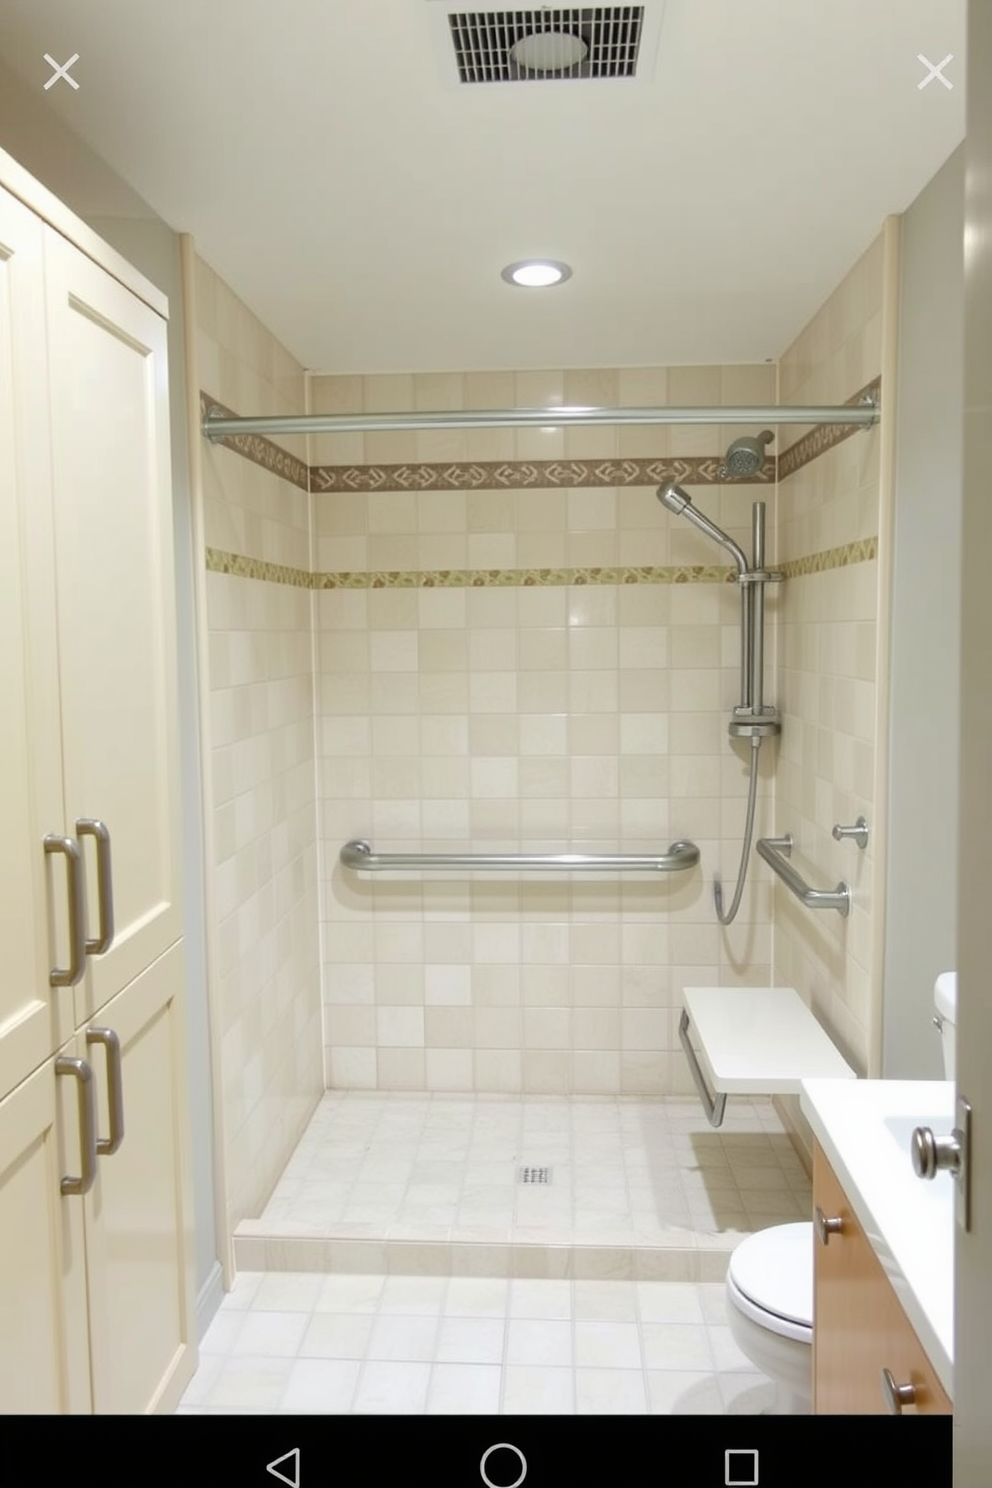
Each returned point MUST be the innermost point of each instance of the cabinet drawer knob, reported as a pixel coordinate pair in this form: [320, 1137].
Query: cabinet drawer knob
[825, 1227]
[896, 1396]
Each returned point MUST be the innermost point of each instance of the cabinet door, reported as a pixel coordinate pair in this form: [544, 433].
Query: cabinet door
[859, 1326]
[44, 1354]
[35, 1018]
[139, 1216]
[112, 501]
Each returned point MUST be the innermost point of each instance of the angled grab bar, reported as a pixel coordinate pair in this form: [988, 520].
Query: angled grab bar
[775, 850]
[361, 859]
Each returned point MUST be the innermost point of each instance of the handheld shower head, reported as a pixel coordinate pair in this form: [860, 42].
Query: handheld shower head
[677, 501]
[746, 456]
[674, 498]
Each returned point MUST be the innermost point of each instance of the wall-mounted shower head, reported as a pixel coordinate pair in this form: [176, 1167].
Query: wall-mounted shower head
[679, 502]
[746, 456]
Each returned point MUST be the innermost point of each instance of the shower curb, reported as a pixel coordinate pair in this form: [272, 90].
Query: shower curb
[258, 1252]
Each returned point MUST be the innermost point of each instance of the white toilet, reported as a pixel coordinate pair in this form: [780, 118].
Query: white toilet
[770, 1310]
[770, 1277]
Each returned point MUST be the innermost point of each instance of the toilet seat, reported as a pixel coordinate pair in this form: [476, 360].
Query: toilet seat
[770, 1279]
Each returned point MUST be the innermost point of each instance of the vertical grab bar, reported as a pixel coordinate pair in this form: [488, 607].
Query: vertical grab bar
[89, 827]
[68, 976]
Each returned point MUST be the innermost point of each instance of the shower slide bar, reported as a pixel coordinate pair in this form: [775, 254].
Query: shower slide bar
[360, 858]
[775, 850]
[218, 424]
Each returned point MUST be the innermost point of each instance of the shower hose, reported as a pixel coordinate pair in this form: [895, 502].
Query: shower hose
[752, 792]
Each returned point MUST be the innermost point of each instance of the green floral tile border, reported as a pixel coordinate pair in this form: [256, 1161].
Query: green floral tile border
[218, 561]
[862, 551]
[523, 578]
[824, 437]
[256, 568]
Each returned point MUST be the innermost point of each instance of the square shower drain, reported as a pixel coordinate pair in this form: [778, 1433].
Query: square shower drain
[533, 1175]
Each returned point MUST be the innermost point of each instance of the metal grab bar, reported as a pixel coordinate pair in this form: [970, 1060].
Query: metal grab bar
[772, 850]
[360, 858]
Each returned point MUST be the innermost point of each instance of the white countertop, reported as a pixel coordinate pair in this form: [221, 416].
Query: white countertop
[864, 1128]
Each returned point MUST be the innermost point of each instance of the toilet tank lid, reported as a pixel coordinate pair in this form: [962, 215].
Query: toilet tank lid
[774, 1268]
[945, 995]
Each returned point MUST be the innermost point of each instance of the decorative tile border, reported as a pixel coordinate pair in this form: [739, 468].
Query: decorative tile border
[862, 551]
[259, 450]
[217, 561]
[523, 578]
[823, 437]
[256, 568]
[523, 475]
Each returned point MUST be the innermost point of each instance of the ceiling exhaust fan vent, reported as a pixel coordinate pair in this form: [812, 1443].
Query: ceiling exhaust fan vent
[547, 45]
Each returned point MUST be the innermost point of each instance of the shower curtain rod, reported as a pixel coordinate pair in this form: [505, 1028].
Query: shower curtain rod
[218, 424]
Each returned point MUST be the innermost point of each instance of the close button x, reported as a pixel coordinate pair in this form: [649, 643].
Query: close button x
[61, 71]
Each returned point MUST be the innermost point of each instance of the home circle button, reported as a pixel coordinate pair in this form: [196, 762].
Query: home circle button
[503, 1466]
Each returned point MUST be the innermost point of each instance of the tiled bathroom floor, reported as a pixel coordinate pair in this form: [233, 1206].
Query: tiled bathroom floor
[634, 1185]
[334, 1344]
[401, 1265]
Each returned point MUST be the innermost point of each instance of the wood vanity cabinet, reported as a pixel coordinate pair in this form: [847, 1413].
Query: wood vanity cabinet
[859, 1326]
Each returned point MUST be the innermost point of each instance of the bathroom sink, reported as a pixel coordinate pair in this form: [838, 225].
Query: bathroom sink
[864, 1128]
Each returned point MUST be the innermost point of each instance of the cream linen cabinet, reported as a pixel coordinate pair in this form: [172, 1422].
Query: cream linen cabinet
[96, 1222]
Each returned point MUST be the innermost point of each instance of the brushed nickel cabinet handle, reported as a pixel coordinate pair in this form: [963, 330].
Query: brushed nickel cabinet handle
[107, 1146]
[825, 1227]
[896, 1396]
[83, 1075]
[88, 826]
[68, 976]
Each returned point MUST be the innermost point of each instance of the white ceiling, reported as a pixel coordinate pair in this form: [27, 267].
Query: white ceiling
[363, 205]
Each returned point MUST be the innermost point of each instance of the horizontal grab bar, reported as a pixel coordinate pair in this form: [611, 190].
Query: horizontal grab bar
[360, 857]
[772, 850]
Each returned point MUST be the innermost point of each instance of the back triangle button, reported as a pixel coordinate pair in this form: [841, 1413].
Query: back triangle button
[284, 1477]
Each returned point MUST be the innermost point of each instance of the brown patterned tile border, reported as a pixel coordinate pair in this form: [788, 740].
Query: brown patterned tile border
[259, 450]
[521, 475]
[862, 551]
[256, 568]
[822, 438]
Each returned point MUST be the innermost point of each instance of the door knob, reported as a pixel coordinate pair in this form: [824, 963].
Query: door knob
[932, 1155]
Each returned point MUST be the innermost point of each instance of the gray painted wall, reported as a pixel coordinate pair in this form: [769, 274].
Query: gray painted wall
[38, 141]
[921, 914]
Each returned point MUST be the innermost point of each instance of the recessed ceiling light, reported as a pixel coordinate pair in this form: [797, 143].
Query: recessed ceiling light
[536, 273]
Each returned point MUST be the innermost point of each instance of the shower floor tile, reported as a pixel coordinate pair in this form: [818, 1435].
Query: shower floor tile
[430, 1179]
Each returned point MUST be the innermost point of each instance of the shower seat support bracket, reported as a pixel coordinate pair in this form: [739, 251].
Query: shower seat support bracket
[713, 1105]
